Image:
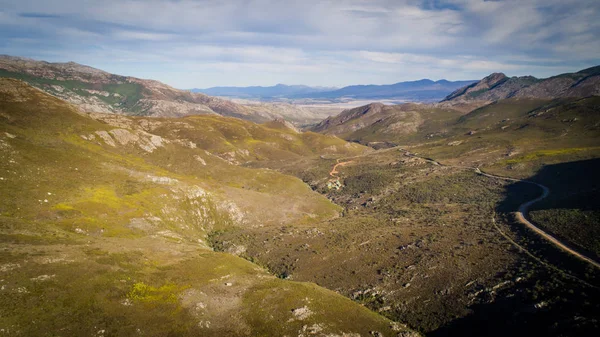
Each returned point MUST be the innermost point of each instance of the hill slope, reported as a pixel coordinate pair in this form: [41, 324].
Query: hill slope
[105, 224]
[426, 237]
[378, 123]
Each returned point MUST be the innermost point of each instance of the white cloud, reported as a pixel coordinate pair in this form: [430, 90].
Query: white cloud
[121, 34]
[312, 41]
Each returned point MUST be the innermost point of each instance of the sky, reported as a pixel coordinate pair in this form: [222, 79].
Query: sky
[205, 43]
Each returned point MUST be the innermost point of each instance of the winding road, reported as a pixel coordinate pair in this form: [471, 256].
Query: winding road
[523, 209]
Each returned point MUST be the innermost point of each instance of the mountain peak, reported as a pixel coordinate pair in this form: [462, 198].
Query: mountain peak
[98, 91]
[494, 78]
[474, 89]
[498, 86]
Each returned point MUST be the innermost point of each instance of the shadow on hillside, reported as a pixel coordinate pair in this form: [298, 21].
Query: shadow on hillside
[517, 315]
[571, 212]
[574, 186]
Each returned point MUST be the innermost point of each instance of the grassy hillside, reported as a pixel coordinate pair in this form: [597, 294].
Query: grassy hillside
[123, 96]
[520, 138]
[105, 225]
[501, 130]
[517, 137]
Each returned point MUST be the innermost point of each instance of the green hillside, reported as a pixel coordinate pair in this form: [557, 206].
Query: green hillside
[105, 224]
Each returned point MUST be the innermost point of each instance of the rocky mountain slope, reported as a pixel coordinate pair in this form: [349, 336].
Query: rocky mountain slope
[498, 86]
[94, 90]
[512, 120]
[106, 223]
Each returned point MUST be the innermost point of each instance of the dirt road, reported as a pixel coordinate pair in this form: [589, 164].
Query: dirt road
[523, 209]
[334, 169]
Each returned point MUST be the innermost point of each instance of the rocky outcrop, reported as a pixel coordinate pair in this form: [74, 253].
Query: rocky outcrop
[145, 141]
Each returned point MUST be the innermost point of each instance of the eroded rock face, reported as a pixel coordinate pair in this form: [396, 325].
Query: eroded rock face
[124, 137]
[165, 108]
[105, 137]
[145, 141]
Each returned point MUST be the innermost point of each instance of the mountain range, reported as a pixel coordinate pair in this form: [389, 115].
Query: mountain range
[94, 90]
[499, 86]
[259, 92]
[376, 121]
[422, 90]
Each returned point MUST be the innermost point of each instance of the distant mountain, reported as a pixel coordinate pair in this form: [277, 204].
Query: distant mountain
[258, 92]
[467, 109]
[498, 86]
[94, 90]
[422, 90]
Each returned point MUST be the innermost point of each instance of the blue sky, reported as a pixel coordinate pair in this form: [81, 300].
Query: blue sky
[207, 43]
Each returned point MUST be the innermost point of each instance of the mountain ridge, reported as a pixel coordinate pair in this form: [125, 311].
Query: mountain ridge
[374, 123]
[423, 89]
[278, 90]
[498, 86]
[95, 90]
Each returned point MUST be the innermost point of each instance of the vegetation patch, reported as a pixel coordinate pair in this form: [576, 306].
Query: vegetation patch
[166, 293]
[546, 153]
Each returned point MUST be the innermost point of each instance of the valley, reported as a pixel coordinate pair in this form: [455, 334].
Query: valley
[132, 208]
